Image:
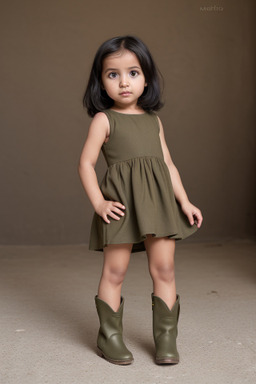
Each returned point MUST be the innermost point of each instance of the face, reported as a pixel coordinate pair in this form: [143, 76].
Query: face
[123, 79]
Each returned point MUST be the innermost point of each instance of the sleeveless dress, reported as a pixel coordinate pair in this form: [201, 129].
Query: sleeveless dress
[137, 177]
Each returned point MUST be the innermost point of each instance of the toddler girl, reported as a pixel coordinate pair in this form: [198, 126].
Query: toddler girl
[141, 203]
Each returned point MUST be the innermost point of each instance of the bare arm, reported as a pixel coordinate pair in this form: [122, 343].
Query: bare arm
[98, 132]
[189, 209]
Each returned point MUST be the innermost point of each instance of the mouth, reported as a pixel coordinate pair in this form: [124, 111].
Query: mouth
[125, 93]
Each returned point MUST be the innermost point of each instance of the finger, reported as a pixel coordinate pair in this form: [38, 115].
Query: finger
[105, 218]
[117, 210]
[190, 218]
[111, 214]
[119, 205]
[199, 218]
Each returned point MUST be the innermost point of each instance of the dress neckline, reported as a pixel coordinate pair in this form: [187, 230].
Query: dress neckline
[128, 114]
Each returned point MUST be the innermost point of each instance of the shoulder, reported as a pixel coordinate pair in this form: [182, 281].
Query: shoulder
[100, 124]
[100, 118]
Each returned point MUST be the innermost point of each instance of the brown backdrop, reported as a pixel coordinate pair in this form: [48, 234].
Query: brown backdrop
[206, 54]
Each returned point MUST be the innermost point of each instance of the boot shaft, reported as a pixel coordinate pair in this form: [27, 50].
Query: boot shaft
[110, 321]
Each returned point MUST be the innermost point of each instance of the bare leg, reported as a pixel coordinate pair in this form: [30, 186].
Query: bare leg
[116, 261]
[160, 252]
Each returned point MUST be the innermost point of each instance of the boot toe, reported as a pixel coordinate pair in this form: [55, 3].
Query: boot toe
[115, 351]
[167, 357]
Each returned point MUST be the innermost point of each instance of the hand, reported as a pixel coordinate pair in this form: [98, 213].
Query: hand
[110, 208]
[193, 214]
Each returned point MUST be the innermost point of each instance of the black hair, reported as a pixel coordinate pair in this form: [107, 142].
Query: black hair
[96, 98]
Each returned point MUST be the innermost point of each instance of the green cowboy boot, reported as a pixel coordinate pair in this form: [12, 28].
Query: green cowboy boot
[165, 330]
[110, 344]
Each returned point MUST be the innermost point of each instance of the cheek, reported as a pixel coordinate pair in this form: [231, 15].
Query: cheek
[143, 85]
[103, 84]
[109, 88]
[106, 83]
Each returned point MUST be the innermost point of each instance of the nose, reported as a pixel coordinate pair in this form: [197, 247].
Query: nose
[123, 82]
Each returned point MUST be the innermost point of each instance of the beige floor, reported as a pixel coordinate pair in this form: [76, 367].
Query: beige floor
[49, 323]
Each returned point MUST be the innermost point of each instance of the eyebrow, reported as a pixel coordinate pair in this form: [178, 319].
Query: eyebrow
[116, 69]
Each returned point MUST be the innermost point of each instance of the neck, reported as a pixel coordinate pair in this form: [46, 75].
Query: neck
[131, 109]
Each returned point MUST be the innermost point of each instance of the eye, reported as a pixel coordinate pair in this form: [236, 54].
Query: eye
[134, 73]
[112, 75]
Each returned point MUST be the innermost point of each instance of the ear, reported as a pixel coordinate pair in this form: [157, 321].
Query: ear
[145, 85]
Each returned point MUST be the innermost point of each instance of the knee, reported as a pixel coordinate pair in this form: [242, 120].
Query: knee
[114, 275]
[162, 272]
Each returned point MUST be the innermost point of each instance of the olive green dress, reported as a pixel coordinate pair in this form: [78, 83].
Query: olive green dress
[137, 177]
